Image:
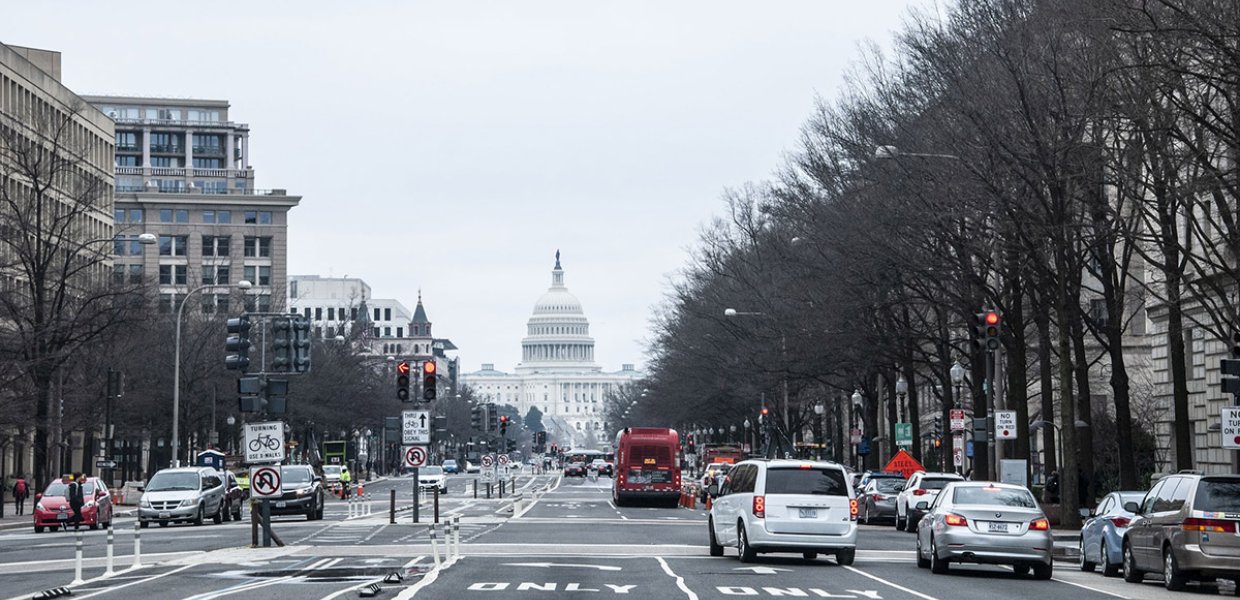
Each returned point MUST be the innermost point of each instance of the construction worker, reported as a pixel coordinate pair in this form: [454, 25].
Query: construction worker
[345, 478]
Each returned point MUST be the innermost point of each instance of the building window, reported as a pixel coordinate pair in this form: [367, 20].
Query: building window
[258, 275]
[307, 313]
[331, 313]
[127, 215]
[126, 141]
[173, 274]
[167, 302]
[387, 332]
[126, 245]
[136, 273]
[208, 163]
[215, 274]
[172, 245]
[218, 216]
[207, 144]
[374, 332]
[168, 215]
[166, 161]
[259, 247]
[166, 142]
[400, 332]
[387, 314]
[264, 303]
[318, 314]
[353, 314]
[258, 217]
[127, 160]
[215, 245]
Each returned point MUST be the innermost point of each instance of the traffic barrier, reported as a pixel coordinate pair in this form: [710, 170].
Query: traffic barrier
[108, 571]
[361, 490]
[434, 545]
[77, 560]
[137, 544]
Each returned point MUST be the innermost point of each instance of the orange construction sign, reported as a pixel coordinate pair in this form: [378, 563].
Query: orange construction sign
[904, 464]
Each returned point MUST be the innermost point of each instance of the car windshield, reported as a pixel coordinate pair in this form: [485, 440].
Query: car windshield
[994, 496]
[889, 486]
[823, 482]
[1218, 495]
[60, 488]
[432, 471]
[167, 482]
[331, 470]
[936, 483]
[449, 463]
[295, 475]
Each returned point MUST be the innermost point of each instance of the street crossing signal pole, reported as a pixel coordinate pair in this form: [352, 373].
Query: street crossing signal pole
[1230, 382]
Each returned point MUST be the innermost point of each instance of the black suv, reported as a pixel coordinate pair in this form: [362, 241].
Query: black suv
[302, 493]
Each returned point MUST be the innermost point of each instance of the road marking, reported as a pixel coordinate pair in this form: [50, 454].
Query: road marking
[762, 570]
[136, 581]
[888, 583]
[426, 580]
[547, 565]
[1092, 589]
[680, 581]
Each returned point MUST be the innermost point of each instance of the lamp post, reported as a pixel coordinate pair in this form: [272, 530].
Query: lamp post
[901, 393]
[820, 409]
[176, 369]
[747, 427]
[857, 399]
[783, 352]
[957, 374]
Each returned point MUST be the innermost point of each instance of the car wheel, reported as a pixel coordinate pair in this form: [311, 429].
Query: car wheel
[163, 523]
[846, 556]
[1131, 573]
[144, 524]
[910, 524]
[899, 521]
[1020, 570]
[1043, 571]
[715, 548]
[199, 517]
[744, 551]
[218, 517]
[1086, 565]
[1173, 578]
[864, 519]
[1109, 569]
[38, 529]
[809, 555]
[938, 566]
[922, 562]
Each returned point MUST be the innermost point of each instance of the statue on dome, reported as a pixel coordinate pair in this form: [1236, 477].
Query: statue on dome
[557, 258]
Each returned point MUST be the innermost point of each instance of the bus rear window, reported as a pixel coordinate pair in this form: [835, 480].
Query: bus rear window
[822, 482]
[650, 455]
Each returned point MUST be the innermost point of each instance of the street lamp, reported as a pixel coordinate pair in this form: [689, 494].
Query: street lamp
[857, 399]
[892, 153]
[176, 369]
[820, 409]
[901, 392]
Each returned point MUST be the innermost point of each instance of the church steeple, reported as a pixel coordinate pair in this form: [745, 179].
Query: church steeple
[420, 325]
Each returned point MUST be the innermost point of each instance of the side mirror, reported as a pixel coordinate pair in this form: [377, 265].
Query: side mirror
[1091, 514]
[318, 480]
[1132, 507]
[923, 505]
[712, 489]
[38, 497]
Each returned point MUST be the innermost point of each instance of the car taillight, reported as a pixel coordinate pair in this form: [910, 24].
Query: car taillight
[878, 497]
[919, 492]
[1209, 525]
[1040, 525]
[955, 520]
[759, 507]
[852, 509]
[1120, 521]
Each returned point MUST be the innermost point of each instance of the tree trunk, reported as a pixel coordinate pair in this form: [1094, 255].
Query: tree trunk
[1068, 474]
[1047, 384]
[1084, 412]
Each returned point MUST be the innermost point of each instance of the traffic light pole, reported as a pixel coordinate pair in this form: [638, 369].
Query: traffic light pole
[992, 442]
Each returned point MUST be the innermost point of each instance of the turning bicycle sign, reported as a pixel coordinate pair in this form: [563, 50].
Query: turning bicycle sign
[264, 442]
[265, 482]
[415, 456]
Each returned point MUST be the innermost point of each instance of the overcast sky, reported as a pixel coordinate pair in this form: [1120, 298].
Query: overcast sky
[454, 146]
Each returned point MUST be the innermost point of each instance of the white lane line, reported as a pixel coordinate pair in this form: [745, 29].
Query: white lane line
[888, 583]
[136, 581]
[426, 580]
[1092, 589]
[680, 581]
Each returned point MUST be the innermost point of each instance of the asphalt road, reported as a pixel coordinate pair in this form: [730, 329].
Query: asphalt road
[571, 542]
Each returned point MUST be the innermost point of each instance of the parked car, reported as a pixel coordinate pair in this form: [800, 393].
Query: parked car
[785, 506]
[984, 522]
[51, 507]
[603, 467]
[301, 493]
[575, 469]
[432, 477]
[920, 485]
[449, 466]
[1102, 536]
[1186, 529]
[183, 494]
[868, 476]
[878, 498]
[234, 496]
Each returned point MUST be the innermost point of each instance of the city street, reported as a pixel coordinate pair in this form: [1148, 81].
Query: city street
[571, 542]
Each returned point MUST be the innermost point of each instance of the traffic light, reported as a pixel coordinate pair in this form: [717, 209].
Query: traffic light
[993, 328]
[492, 417]
[475, 417]
[938, 425]
[402, 381]
[1231, 367]
[510, 446]
[503, 425]
[428, 380]
[281, 344]
[301, 344]
[238, 343]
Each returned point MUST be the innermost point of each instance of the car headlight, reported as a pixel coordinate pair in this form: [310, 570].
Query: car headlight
[303, 491]
[144, 503]
[89, 504]
[39, 506]
[188, 502]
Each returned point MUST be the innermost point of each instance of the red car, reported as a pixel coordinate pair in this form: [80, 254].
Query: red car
[575, 470]
[51, 508]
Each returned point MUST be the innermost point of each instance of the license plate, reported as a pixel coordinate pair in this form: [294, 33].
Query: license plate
[281, 504]
[62, 517]
[998, 527]
[164, 515]
[808, 513]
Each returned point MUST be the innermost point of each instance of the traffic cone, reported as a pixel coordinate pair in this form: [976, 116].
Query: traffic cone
[708, 502]
[361, 491]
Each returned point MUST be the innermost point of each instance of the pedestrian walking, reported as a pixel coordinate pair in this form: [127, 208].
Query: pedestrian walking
[21, 490]
[77, 498]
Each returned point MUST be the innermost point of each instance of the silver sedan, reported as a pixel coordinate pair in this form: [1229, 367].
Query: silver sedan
[985, 522]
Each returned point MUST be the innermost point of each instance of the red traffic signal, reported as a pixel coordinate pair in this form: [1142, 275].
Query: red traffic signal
[765, 411]
[992, 318]
[402, 381]
[402, 368]
[428, 367]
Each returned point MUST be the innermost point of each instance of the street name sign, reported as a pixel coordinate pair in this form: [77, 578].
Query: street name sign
[415, 456]
[904, 435]
[1005, 424]
[105, 464]
[264, 442]
[265, 481]
[958, 421]
[1231, 427]
[415, 427]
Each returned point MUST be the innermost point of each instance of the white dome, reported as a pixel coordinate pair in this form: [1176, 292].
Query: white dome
[558, 301]
[558, 333]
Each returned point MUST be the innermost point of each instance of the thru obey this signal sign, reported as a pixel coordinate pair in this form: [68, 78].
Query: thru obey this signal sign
[415, 456]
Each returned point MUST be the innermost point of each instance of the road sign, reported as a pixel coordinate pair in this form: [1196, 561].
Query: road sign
[904, 435]
[415, 427]
[503, 459]
[904, 464]
[415, 456]
[264, 442]
[1005, 424]
[854, 436]
[105, 464]
[957, 457]
[1231, 427]
[265, 482]
[487, 461]
[958, 421]
[863, 448]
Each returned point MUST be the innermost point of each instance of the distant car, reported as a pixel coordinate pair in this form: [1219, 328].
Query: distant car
[1185, 528]
[234, 496]
[51, 508]
[431, 477]
[984, 522]
[575, 469]
[920, 486]
[243, 482]
[449, 466]
[302, 493]
[331, 476]
[603, 467]
[868, 476]
[184, 494]
[878, 499]
[1102, 536]
[471, 467]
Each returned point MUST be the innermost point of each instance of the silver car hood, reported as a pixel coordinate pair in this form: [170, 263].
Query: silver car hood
[169, 495]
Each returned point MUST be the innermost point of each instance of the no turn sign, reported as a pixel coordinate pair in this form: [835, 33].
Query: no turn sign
[487, 461]
[265, 482]
[1231, 427]
[503, 459]
[1005, 424]
[415, 456]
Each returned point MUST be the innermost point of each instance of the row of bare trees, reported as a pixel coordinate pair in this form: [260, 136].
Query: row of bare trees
[1070, 164]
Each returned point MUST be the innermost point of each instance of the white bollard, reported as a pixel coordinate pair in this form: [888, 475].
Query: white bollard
[368, 507]
[434, 546]
[456, 533]
[349, 507]
[108, 572]
[77, 560]
[137, 544]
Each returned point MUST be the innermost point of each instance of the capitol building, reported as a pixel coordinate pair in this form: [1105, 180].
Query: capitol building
[557, 374]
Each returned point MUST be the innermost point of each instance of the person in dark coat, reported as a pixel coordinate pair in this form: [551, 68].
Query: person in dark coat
[21, 491]
[77, 499]
[1052, 488]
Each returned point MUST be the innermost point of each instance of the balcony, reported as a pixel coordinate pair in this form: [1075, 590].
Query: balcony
[176, 123]
[128, 148]
[168, 148]
[166, 171]
[208, 151]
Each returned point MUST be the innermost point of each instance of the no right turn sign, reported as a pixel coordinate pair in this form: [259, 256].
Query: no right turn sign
[1231, 427]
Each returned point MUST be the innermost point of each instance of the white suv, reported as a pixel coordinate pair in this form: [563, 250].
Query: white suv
[921, 486]
[785, 506]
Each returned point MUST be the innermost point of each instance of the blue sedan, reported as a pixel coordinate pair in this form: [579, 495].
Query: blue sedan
[449, 466]
[1102, 536]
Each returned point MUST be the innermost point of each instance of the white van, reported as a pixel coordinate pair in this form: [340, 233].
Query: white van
[785, 506]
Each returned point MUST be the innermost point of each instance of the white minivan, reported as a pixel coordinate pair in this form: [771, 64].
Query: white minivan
[785, 506]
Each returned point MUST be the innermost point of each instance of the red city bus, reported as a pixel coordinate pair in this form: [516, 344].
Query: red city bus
[647, 465]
